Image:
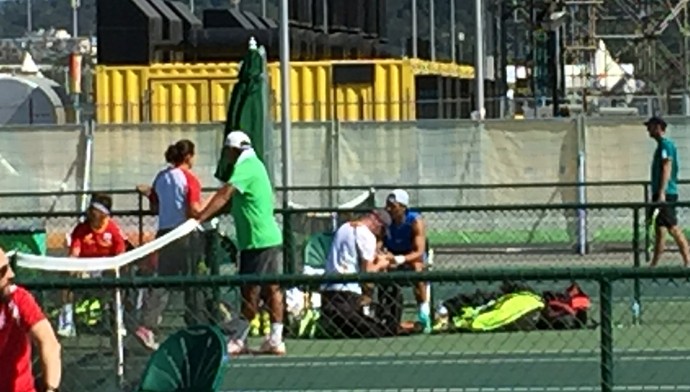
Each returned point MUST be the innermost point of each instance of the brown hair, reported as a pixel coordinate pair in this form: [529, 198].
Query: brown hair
[176, 153]
[103, 199]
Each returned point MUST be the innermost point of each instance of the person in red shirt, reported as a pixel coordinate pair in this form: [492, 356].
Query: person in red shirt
[21, 323]
[98, 236]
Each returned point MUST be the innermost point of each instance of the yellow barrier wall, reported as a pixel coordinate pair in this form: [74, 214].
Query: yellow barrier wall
[197, 93]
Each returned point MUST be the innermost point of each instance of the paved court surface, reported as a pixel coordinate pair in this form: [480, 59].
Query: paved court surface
[650, 356]
[454, 259]
[508, 371]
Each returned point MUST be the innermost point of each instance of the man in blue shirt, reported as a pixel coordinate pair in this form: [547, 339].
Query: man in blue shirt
[664, 184]
[406, 247]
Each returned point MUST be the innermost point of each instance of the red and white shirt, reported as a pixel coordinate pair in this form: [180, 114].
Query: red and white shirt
[86, 241]
[174, 190]
[18, 314]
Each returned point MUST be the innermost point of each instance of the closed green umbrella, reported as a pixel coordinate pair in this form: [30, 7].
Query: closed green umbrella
[247, 108]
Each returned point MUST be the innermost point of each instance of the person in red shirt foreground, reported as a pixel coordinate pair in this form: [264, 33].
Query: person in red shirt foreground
[21, 323]
[98, 236]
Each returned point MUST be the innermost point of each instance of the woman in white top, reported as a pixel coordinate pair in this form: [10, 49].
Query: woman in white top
[175, 196]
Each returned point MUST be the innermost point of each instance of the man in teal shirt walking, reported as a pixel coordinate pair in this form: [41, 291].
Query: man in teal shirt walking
[664, 184]
[259, 239]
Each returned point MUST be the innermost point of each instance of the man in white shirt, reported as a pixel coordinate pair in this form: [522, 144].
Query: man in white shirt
[354, 250]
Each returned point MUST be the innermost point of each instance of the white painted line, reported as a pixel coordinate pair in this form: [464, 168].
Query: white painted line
[622, 388]
[454, 361]
[502, 353]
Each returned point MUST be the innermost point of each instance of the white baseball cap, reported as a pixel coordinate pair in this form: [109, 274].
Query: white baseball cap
[237, 139]
[399, 196]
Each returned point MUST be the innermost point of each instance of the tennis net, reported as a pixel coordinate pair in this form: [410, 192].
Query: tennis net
[100, 351]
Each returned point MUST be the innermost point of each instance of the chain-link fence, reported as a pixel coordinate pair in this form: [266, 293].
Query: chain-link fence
[504, 331]
[544, 235]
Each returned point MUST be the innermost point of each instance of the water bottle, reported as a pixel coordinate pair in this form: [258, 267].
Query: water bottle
[636, 312]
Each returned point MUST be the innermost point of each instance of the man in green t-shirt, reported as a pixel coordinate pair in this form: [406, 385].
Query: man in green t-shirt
[259, 239]
[664, 184]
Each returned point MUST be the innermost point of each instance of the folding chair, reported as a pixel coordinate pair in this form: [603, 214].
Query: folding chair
[316, 249]
[191, 360]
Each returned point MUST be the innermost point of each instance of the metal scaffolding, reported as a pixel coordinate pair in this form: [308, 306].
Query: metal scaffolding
[652, 35]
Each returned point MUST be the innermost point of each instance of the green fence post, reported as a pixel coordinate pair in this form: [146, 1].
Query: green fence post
[212, 261]
[606, 331]
[647, 241]
[289, 266]
[637, 302]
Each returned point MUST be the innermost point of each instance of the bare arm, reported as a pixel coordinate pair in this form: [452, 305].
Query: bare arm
[49, 352]
[418, 241]
[144, 190]
[380, 263]
[665, 176]
[370, 260]
[147, 191]
[217, 201]
[194, 209]
[418, 244]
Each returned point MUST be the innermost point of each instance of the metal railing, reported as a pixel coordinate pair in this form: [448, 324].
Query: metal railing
[626, 356]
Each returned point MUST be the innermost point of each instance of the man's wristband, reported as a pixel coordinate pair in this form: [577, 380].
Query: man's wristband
[399, 259]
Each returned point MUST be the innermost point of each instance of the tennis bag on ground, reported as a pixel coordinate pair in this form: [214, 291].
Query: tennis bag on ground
[565, 310]
[514, 306]
[518, 311]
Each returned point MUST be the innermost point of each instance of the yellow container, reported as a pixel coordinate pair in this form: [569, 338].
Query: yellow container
[197, 93]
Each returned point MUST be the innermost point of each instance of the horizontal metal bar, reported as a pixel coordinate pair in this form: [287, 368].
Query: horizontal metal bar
[509, 207]
[432, 209]
[365, 187]
[619, 36]
[67, 193]
[487, 275]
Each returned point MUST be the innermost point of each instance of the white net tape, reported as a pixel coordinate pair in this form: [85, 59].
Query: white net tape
[66, 264]
[352, 204]
[92, 264]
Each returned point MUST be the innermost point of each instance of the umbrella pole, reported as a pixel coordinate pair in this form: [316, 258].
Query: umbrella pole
[285, 92]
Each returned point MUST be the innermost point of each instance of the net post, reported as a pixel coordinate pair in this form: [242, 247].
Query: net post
[120, 331]
[637, 301]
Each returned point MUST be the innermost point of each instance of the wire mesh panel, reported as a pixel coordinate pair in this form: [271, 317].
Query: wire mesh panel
[509, 331]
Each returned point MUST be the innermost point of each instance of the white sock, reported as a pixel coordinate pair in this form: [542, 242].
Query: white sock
[67, 312]
[424, 308]
[276, 333]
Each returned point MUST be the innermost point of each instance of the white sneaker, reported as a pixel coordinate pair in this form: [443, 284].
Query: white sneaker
[67, 331]
[269, 347]
[147, 338]
[236, 347]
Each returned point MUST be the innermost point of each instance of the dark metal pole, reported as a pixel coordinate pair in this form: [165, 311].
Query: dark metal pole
[606, 334]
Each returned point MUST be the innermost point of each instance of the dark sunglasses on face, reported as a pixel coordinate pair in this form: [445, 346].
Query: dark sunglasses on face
[4, 270]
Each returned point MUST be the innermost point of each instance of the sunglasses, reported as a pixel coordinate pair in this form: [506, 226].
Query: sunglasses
[4, 270]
